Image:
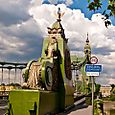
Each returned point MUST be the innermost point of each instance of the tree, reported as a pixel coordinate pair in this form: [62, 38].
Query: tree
[96, 4]
[112, 86]
[97, 88]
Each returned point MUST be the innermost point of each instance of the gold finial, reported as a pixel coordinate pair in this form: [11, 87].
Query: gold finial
[59, 14]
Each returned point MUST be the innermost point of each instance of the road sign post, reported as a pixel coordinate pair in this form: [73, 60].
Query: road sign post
[92, 95]
[93, 70]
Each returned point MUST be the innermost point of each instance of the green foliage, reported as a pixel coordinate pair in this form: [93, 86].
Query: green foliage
[13, 84]
[88, 100]
[96, 4]
[106, 98]
[26, 75]
[112, 86]
[97, 88]
[88, 0]
[112, 112]
[111, 7]
[113, 91]
[2, 84]
[88, 88]
[112, 97]
[98, 107]
[89, 91]
[78, 87]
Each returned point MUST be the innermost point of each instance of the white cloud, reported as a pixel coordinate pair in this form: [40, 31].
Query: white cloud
[10, 44]
[67, 2]
[111, 81]
[13, 11]
[53, 1]
[76, 26]
[37, 2]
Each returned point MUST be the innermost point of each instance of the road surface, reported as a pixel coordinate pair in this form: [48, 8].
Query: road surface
[80, 108]
[81, 111]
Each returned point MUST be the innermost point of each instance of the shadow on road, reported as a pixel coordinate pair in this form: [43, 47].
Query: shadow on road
[77, 107]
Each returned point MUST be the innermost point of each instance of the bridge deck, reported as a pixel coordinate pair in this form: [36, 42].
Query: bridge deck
[80, 108]
[81, 111]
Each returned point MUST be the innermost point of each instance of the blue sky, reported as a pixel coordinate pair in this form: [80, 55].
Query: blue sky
[82, 5]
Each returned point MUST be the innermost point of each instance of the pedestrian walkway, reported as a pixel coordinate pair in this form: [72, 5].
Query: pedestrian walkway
[80, 108]
[82, 111]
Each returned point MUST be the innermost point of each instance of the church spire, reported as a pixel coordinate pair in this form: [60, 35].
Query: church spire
[87, 50]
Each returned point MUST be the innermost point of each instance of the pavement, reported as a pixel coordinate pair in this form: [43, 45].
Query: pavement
[82, 111]
[80, 108]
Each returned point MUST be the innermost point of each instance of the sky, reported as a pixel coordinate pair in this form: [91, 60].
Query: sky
[23, 27]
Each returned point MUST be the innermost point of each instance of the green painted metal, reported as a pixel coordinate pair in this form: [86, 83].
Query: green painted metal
[23, 102]
[85, 79]
[46, 99]
[80, 62]
[33, 102]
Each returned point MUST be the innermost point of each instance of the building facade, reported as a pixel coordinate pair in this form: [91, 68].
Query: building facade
[105, 90]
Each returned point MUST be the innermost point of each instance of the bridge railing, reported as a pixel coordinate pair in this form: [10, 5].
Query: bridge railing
[11, 72]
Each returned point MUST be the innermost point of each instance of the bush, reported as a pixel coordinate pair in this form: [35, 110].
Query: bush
[88, 100]
[98, 107]
[112, 97]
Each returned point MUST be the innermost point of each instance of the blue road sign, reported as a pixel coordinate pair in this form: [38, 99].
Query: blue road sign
[93, 68]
